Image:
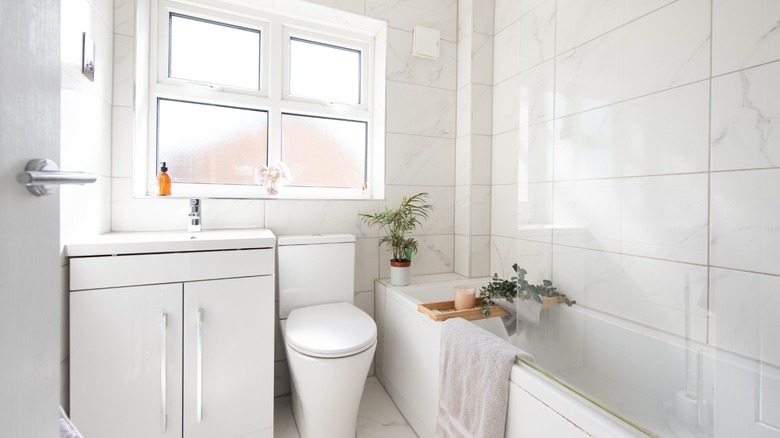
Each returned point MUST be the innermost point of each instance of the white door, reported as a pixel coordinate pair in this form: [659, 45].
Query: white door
[31, 289]
[228, 358]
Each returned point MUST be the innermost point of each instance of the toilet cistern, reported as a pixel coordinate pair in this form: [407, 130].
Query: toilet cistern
[194, 222]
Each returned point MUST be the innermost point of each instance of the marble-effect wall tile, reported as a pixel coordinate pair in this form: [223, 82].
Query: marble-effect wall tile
[483, 16]
[587, 214]
[122, 141]
[737, 45]
[124, 17]
[123, 70]
[506, 150]
[479, 206]
[416, 109]
[580, 21]
[481, 109]
[509, 11]
[405, 14]
[441, 218]
[654, 53]
[462, 217]
[534, 211]
[745, 208]
[403, 66]
[464, 60]
[80, 16]
[503, 211]
[663, 133]
[505, 98]
[481, 59]
[666, 217]
[746, 119]
[480, 256]
[536, 96]
[420, 160]
[537, 36]
[506, 51]
[462, 254]
[503, 253]
[744, 323]
[536, 153]
[481, 156]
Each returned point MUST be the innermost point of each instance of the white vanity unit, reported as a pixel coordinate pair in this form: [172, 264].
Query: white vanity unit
[172, 334]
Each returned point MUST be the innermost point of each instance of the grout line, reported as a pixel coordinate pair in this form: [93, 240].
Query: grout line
[552, 153]
[739, 70]
[616, 28]
[709, 188]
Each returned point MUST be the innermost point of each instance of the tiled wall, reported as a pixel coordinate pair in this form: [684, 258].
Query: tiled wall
[420, 153]
[85, 135]
[473, 144]
[636, 162]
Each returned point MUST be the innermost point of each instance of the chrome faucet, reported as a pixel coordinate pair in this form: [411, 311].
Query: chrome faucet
[195, 222]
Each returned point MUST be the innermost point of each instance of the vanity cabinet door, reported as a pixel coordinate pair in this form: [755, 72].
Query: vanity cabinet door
[125, 361]
[228, 358]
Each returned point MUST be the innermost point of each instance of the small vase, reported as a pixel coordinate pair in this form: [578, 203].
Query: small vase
[400, 273]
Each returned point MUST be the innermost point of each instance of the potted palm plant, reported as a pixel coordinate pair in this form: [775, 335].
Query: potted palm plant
[393, 226]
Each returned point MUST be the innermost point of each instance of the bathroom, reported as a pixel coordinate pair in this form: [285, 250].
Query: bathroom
[623, 149]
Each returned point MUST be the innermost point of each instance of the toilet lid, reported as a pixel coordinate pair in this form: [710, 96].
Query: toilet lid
[330, 330]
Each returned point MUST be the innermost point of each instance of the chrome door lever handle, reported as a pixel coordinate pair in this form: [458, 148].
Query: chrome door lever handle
[42, 176]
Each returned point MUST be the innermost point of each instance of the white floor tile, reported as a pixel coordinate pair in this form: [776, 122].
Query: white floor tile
[377, 417]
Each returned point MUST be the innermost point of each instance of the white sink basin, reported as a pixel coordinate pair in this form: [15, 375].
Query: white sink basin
[171, 241]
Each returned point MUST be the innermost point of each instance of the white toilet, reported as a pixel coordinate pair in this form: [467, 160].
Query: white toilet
[329, 342]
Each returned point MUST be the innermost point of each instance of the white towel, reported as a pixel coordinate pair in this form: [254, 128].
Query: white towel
[474, 367]
[67, 429]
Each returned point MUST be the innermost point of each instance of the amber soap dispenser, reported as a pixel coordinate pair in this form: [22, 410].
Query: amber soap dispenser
[164, 181]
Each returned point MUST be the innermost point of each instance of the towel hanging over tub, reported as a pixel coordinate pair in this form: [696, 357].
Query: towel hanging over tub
[474, 368]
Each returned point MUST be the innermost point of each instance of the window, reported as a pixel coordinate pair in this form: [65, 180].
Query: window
[212, 52]
[308, 141]
[324, 72]
[211, 144]
[235, 87]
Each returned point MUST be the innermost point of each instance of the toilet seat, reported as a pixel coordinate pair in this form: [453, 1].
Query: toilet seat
[330, 330]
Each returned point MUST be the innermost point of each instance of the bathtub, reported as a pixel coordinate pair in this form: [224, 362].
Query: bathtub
[407, 365]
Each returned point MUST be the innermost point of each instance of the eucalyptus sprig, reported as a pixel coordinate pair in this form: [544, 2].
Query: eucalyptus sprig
[515, 287]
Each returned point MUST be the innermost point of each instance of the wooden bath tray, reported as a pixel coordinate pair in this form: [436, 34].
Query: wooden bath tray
[446, 310]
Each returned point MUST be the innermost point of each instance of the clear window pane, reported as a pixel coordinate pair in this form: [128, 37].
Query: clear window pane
[324, 72]
[323, 152]
[211, 144]
[206, 51]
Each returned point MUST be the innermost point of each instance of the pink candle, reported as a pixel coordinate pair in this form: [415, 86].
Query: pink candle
[465, 297]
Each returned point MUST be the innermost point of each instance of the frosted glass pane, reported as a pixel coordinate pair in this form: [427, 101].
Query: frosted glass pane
[324, 152]
[209, 143]
[215, 53]
[324, 72]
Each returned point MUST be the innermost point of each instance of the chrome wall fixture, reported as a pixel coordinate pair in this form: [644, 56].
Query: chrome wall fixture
[41, 176]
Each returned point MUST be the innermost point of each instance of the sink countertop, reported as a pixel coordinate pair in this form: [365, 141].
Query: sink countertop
[145, 242]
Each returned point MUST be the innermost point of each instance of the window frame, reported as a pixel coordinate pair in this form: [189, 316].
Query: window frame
[276, 27]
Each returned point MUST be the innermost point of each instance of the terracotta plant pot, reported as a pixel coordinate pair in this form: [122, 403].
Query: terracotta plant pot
[400, 272]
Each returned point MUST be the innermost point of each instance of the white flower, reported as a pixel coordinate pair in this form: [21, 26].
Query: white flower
[273, 176]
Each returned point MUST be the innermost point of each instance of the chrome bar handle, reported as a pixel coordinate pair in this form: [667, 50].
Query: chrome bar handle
[42, 176]
[199, 370]
[163, 369]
